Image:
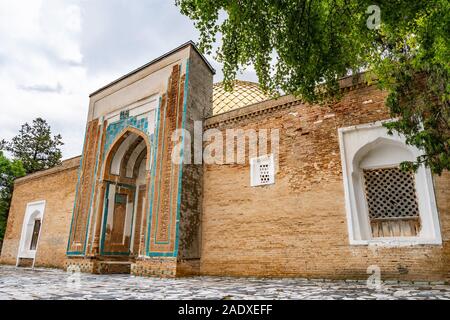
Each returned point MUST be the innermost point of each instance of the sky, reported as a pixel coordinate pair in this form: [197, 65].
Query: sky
[54, 53]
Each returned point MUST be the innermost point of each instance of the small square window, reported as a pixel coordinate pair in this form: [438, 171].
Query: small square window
[262, 171]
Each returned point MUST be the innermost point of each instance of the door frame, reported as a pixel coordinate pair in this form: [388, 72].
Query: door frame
[23, 250]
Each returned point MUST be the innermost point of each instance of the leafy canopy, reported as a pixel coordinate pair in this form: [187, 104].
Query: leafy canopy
[9, 171]
[35, 146]
[33, 149]
[294, 45]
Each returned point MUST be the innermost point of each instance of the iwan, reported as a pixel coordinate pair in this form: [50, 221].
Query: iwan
[187, 310]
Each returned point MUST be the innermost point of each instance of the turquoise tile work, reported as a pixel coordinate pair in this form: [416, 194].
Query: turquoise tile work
[115, 128]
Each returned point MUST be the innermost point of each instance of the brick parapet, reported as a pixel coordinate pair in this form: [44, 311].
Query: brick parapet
[68, 164]
[346, 84]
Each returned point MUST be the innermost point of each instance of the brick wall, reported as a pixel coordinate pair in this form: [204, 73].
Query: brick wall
[199, 106]
[82, 207]
[298, 226]
[57, 187]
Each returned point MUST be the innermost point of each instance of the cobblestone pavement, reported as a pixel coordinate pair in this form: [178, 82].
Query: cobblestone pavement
[26, 284]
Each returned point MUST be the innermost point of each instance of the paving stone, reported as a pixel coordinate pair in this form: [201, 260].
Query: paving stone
[50, 284]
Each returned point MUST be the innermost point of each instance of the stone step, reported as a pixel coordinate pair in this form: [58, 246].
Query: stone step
[25, 262]
[114, 267]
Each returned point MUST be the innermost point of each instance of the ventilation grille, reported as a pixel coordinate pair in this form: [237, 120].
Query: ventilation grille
[390, 194]
[262, 171]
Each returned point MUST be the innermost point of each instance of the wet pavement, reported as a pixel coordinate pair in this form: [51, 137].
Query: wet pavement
[50, 284]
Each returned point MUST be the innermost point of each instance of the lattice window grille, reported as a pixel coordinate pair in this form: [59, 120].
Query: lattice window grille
[262, 171]
[390, 194]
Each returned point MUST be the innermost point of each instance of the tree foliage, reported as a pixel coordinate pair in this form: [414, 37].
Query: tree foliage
[35, 146]
[294, 45]
[9, 171]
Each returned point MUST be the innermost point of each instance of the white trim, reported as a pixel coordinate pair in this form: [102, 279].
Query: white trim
[23, 250]
[134, 108]
[397, 242]
[371, 125]
[133, 158]
[133, 228]
[348, 209]
[120, 153]
[430, 233]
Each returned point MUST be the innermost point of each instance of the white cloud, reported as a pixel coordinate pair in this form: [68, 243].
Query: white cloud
[53, 53]
[42, 72]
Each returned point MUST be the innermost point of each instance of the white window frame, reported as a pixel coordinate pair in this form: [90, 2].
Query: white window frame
[352, 140]
[255, 170]
[27, 230]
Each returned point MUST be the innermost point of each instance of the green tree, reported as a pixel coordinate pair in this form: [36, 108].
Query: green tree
[35, 146]
[295, 45]
[9, 171]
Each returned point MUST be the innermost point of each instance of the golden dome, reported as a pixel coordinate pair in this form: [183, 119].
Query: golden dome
[244, 93]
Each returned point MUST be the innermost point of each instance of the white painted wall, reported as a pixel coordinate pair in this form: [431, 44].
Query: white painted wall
[152, 80]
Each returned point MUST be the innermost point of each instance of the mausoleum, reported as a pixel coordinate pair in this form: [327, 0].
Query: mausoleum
[179, 177]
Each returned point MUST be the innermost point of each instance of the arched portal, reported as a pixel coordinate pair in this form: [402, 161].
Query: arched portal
[125, 179]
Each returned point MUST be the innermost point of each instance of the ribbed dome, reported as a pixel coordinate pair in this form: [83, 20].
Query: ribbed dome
[244, 93]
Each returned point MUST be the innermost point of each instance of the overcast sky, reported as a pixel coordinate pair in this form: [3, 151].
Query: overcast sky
[53, 53]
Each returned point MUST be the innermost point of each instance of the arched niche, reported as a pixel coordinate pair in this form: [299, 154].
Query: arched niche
[371, 157]
[126, 176]
[125, 151]
[31, 228]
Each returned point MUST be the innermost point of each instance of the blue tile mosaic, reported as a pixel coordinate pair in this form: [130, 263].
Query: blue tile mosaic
[115, 128]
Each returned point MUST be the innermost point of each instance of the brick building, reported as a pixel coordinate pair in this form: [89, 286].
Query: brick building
[279, 187]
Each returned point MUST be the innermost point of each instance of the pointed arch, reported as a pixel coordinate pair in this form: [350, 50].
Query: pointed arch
[123, 195]
[128, 133]
[379, 197]
[379, 146]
